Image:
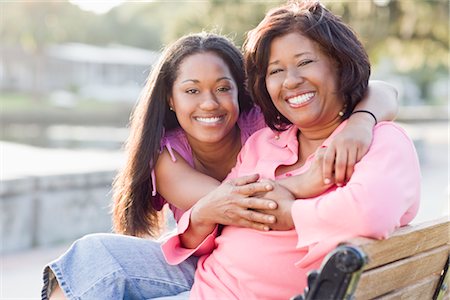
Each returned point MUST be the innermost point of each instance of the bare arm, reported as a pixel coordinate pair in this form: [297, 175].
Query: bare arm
[179, 183]
[352, 143]
[226, 204]
[381, 100]
[231, 200]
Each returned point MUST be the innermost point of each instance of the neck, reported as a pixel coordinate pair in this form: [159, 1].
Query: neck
[322, 132]
[217, 159]
[310, 139]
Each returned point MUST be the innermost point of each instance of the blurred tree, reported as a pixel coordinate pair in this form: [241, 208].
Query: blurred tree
[233, 18]
[412, 34]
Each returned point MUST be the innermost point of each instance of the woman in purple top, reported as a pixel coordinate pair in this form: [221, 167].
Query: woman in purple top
[186, 132]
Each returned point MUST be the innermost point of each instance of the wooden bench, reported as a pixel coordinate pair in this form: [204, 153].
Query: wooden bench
[411, 264]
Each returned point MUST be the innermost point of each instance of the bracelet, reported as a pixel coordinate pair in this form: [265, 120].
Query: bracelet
[368, 112]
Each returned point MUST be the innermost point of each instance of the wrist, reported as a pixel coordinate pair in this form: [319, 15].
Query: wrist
[198, 219]
[301, 187]
[290, 219]
[361, 115]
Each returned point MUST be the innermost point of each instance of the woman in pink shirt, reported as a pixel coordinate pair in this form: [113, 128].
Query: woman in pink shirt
[186, 132]
[307, 71]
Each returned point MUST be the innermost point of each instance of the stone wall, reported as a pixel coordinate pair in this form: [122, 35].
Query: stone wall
[47, 210]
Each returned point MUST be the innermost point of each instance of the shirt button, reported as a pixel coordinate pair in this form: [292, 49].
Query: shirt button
[277, 137]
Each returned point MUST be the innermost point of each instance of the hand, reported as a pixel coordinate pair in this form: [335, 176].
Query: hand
[232, 204]
[346, 149]
[314, 176]
[284, 199]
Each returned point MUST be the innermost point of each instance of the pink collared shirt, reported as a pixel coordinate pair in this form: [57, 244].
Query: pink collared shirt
[240, 263]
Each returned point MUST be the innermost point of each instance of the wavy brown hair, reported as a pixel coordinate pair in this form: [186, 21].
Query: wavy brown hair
[133, 209]
[335, 39]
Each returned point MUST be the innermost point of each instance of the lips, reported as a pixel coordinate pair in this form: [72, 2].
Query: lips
[300, 100]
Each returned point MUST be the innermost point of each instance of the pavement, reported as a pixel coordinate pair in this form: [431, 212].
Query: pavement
[19, 160]
[20, 272]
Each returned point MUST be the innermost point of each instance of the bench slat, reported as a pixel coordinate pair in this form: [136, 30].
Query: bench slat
[418, 291]
[384, 279]
[405, 242]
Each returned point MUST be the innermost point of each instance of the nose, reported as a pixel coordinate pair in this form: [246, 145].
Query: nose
[209, 102]
[293, 78]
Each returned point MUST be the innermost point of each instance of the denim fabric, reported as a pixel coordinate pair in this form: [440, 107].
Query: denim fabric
[109, 266]
[181, 296]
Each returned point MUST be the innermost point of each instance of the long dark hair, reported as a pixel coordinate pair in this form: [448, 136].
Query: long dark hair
[133, 209]
[336, 39]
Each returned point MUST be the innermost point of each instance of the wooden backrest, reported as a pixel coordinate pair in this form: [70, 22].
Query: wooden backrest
[407, 265]
[411, 264]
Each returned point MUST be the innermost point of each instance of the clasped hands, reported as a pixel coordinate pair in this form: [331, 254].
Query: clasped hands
[246, 202]
[253, 203]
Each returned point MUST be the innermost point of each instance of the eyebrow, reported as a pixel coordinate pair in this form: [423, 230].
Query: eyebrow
[197, 81]
[296, 56]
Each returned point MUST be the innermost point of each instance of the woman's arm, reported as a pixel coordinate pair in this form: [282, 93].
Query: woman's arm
[232, 201]
[226, 203]
[382, 195]
[179, 183]
[310, 183]
[352, 143]
[381, 100]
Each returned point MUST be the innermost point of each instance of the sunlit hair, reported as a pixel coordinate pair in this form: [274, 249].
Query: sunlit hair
[334, 38]
[133, 209]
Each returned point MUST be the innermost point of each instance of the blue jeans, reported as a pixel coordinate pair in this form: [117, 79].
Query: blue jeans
[110, 266]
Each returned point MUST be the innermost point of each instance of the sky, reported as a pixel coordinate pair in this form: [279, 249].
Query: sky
[97, 6]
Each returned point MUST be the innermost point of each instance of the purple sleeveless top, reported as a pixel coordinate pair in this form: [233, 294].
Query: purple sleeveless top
[176, 140]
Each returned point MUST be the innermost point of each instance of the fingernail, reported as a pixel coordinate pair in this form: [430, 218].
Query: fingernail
[272, 205]
[327, 181]
[268, 187]
[266, 228]
[271, 219]
[339, 184]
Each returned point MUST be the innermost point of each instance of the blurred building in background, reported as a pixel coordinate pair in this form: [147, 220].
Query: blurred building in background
[112, 73]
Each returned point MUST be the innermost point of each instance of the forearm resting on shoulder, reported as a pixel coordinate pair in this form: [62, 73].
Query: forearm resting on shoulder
[381, 100]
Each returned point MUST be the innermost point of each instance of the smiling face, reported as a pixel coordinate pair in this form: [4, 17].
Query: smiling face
[301, 82]
[205, 98]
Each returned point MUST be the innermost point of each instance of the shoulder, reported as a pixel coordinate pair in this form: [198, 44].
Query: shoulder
[391, 140]
[390, 132]
[176, 139]
[173, 136]
[261, 136]
[251, 121]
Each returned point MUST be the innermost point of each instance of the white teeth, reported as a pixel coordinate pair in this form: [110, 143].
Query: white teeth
[300, 99]
[208, 120]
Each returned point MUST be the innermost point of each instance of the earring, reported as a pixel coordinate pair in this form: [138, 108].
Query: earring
[171, 108]
[342, 112]
[278, 117]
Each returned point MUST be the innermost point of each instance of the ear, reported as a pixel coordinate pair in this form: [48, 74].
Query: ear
[171, 104]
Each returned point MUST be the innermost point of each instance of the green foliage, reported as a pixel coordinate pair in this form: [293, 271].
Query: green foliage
[412, 34]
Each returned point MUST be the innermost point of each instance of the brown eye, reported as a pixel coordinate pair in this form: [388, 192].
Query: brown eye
[223, 89]
[275, 71]
[192, 91]
[304, 62]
